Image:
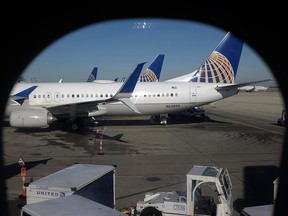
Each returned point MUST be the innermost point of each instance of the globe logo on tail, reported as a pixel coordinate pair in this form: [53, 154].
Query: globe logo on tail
[148, 76]
[91, 78]
[216, 69]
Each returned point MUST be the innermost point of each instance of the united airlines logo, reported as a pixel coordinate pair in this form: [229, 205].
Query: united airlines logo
[216, 69]
[91, 78]
[148, 76]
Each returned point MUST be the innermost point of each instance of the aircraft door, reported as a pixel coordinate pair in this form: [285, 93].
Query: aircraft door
[193, 94]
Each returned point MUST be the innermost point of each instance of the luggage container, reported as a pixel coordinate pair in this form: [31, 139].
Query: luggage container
[74, 205]
[94, 182]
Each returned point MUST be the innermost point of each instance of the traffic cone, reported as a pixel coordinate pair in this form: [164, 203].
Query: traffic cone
[23, 175]
[101, 148]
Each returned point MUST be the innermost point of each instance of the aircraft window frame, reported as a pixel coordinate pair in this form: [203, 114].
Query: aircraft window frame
[209, 22]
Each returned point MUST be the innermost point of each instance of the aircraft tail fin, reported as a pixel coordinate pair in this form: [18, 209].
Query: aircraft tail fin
[21, 96]
[152, 73]
[222, 64]
[93, 75]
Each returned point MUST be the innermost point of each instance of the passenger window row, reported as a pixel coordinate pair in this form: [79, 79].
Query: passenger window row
[103, 95]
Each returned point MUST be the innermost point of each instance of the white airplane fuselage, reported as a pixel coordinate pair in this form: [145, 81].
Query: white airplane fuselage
[148, 98]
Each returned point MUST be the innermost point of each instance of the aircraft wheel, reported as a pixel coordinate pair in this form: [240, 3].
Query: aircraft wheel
[163, 120]
[74, 126]
[77, 124]
[150, 211]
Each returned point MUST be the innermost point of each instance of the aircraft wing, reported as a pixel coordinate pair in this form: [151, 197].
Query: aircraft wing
[223, 87]
[93, 108]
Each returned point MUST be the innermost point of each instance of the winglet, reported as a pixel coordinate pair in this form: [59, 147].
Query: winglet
[222, 64]
[128, 86]
[93, 75]
[152, 74]
[21, 96]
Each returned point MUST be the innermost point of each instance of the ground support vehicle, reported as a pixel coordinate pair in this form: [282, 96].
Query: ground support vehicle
[189, 114]
[209, 192]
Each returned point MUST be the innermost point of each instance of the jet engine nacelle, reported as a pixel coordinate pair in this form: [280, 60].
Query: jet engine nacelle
[31, 118]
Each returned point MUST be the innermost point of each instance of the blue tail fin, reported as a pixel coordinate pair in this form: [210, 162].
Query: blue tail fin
[25, 93]
[222, 64]
[21, 96]
[93, 75]
[152, 74]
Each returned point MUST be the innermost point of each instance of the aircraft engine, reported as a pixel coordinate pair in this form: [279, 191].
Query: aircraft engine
[31, 118]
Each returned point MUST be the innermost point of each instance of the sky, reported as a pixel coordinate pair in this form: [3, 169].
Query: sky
[117, 46]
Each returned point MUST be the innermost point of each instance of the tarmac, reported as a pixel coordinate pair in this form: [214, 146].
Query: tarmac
[239, 133]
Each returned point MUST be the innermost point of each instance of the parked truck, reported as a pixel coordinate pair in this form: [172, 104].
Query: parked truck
[208, 192]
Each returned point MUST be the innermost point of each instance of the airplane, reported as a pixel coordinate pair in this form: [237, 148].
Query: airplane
[213, 81]
[252, 88]
[152, 73]
[261, 88]
[93, 75]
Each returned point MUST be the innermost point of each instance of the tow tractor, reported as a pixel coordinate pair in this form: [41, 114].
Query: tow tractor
[208, 193]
